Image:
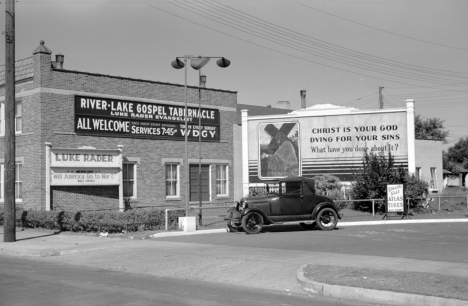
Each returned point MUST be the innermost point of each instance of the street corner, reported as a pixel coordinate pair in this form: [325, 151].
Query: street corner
[306, 281]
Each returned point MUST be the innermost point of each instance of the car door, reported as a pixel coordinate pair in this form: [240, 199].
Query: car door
[291, 199]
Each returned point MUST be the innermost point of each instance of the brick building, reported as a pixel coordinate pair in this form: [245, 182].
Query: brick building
[76, 112]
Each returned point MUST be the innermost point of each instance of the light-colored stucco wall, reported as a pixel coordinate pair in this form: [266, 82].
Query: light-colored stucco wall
[429, 155]
[237, 155]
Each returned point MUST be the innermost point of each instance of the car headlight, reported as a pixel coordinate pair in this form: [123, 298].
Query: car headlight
[244, 205]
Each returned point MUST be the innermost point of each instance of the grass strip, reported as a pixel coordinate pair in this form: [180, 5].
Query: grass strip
[423, 283]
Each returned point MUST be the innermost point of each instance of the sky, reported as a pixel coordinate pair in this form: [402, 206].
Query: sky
[339, 51]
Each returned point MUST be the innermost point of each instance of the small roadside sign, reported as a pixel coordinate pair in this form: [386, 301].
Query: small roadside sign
[395, 200]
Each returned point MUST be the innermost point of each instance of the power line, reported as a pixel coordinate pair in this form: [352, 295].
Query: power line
[343, 59]
[285, 31]
[388, 32]
[288, 54]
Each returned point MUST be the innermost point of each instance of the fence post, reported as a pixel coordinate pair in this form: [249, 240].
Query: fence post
[373, 208]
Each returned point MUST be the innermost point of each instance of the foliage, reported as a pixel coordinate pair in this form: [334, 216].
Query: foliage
[415, 188]
[95, 221]
[430, 129]
[379, 170]
[43, 219]
[328, 185]
[455, 159]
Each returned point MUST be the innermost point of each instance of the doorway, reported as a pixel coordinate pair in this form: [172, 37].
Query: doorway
[205, 183]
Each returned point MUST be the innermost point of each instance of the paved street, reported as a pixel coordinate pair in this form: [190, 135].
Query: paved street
[438, 241]
[32, 282]
[267, 262]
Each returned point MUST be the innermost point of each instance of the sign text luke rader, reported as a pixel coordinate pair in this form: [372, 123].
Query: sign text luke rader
[86, 157]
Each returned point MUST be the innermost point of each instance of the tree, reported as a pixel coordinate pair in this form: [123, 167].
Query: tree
[430, 129]
[377, 171]
[456, 158]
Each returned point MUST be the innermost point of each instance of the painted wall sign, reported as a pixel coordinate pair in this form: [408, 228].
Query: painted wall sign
[81, 158]
[395, 198]
[144, 120]
[317, 145]
[76, 177]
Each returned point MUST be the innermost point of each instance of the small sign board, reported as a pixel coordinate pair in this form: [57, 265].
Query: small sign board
[396, 200]
[84, 177]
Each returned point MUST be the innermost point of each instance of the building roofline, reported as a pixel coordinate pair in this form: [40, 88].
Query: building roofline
[139, 80]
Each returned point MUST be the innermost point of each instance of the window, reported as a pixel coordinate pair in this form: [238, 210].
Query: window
[129, 180]
[172, 181]
[222, 180]
[2, 120]
[18, 117]
[18, 182]
[291, 188]
[433, 183]
[418, 173]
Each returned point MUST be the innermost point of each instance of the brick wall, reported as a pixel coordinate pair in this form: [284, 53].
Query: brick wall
[48, 116]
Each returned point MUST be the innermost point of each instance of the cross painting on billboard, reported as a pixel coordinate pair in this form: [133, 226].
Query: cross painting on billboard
[279, 150]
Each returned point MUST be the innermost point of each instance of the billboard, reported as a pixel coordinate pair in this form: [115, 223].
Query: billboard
[333, 144]
[144, 120]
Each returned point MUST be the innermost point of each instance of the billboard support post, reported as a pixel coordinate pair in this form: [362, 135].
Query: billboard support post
[245, 152]
[411, 136]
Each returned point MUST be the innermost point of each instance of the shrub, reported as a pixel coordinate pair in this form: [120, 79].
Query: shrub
[70, 221]
[94, 221]
[371, 183]
[415, 188]
[328, 185]
[43, 219]
[378, 171]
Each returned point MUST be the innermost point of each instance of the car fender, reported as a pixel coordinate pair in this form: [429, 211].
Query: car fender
[324, 205]
[232, 214]
[266, 219]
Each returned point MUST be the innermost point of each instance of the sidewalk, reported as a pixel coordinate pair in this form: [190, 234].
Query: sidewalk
[242, 266]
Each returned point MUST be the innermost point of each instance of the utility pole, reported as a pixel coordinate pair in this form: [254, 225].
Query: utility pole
[201, 83]
[380, 97]
[10, 161]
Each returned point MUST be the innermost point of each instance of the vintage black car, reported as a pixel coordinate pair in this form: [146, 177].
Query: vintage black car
[288, 200]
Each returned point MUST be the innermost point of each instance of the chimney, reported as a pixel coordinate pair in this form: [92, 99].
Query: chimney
[59, 59]
[203, 81]
[303, 99]
[283, 104]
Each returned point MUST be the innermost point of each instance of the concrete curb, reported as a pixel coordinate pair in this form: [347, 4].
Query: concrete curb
[371, 295]
[342, 224]
[390, 222]
[200, 232]
[35, 253]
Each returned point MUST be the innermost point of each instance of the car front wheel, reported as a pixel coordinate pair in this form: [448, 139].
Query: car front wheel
[327, 219]
[252, 223]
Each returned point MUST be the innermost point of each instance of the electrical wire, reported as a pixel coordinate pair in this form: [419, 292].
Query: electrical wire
[381, 30]
[288, 54]
[281, 30]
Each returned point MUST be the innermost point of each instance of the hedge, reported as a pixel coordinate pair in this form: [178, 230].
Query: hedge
[96, 221]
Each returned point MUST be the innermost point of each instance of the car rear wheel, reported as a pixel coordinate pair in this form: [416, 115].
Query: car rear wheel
[327, 219]
[252, 223]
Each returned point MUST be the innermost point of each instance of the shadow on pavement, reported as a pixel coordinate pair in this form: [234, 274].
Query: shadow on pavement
[28, 236]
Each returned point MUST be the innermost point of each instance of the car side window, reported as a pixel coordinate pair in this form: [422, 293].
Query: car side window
[291, 188]
[306, 190]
